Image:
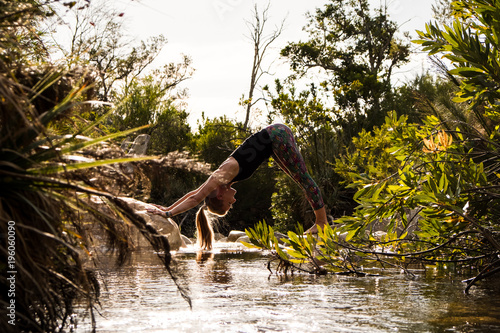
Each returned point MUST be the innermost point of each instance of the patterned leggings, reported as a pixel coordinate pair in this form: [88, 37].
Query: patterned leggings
[287, 155]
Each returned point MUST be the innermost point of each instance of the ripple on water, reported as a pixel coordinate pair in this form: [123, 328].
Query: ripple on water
[232, 291]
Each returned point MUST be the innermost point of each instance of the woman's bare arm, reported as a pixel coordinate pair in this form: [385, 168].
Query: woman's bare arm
[194, 198]
[188, 201]
[227, 171]
[175, 204]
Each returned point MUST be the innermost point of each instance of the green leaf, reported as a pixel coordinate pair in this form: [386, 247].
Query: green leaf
[351, 234]
[280, 252]
[72, 147]
[249, 245]
[443, 183]
[467, 71]
[296, 254]
[85, 165]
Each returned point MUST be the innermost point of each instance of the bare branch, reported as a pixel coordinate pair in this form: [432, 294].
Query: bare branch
[261, 44]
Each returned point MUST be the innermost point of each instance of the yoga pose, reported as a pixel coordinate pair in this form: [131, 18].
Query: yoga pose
[275, 140]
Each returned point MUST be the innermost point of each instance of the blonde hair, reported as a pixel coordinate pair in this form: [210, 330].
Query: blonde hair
[204, 224]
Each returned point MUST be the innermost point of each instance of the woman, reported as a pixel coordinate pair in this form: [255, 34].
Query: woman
[275, 140]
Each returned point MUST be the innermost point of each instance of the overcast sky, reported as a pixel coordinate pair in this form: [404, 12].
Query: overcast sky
[214, 33]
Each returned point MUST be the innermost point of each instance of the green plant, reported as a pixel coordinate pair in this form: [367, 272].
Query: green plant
[300, 249]
[471, 44]
[439, 207]
[355, 49]
[325, 253]
[47, 214]
[46, 205]
[261, 236]
[428, 192]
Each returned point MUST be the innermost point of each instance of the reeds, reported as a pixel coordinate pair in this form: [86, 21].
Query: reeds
[44, 204]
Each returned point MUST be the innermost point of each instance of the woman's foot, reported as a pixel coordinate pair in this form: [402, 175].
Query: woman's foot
[321, 221]
[314, 229]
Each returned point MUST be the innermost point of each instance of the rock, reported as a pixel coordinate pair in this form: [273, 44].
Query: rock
[279, 236]
[140, 145]
[218, 236]
[126, 143]
[163, 225]
[243, 239]
[186, 240]
[234, 235]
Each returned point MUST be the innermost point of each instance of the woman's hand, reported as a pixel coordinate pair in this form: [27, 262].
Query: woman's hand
[158, 210]
[159, 207]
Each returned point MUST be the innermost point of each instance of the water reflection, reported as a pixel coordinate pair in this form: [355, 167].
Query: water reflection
[232, 291]
[213, 271]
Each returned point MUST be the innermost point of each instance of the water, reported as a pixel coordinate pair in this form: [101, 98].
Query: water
[232, 291]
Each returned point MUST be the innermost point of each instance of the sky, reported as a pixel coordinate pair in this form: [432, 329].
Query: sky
[214, 34]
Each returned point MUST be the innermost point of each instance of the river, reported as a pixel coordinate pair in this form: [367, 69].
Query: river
[232, 291]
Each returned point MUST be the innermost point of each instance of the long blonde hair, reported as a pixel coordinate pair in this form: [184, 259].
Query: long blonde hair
[204, 224]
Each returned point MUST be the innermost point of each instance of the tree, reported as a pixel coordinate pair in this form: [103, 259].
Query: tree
[114, 67]
[216, 139]
[171, 131]
[442, 10]
[430, 94]
[156, 100]
[341, 85]
[356, 51]
[438, 207]
[471, 45]
[22, 18]
[97, 37]
[261, 44]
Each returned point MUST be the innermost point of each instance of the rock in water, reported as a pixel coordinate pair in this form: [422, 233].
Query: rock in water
[234, 235]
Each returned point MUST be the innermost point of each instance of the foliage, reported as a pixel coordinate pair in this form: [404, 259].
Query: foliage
[122, 74]
[143, 100]
[442, 192]
[370, 157]
[429, 191]
[47, 204]
[319, 143]
[439, 207]
[216, 139]
[261, 237]
[289, 205]
[442, 10]
[22, 18]
[309, 121]
[170, 132]
[325, 253]
[153, 100]
[113, 67]
[357, 50]
[300, 250]
[44, 195]
[97, 38]
[471, 45]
